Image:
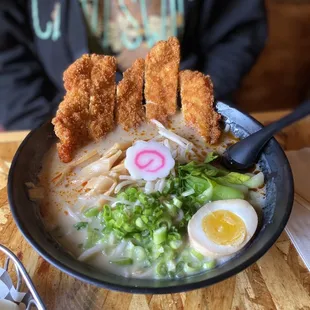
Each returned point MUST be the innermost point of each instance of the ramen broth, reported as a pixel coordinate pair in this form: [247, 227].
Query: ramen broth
[63, 200]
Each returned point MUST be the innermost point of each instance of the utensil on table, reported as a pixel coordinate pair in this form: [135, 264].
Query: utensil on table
[243, 154]
[12, 293]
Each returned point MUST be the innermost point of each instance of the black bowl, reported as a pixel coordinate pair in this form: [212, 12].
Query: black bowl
[279, 200]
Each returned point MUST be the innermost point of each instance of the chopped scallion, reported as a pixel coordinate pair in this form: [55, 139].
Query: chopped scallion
[160, 235]
[91, 212]
[161, 269]
[122, 261]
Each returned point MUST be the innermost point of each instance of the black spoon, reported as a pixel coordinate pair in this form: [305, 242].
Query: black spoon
[243, 154]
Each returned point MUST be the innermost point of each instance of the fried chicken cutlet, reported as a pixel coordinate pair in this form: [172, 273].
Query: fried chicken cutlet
[102, 99]
[161, 79]
[87, 109]
[129, 112]
[197, 105]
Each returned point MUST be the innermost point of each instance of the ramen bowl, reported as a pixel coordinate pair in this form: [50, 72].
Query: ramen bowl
[278, 204]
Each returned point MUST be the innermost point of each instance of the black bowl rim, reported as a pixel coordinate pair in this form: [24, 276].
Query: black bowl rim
[151, 290]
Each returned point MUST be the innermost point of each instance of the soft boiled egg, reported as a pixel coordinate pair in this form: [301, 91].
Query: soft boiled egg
[222, 227]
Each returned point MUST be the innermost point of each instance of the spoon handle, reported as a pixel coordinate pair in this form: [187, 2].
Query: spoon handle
[247, 150]
[300, 112]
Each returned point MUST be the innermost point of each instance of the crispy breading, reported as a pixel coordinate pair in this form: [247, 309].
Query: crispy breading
[161, 79]
[87, 109]
[71, 123]
[197, 105]
[78, 73]
[129, 111]
[102, 99]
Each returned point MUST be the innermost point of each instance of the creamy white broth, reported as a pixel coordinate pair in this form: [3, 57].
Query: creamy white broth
[62, 202]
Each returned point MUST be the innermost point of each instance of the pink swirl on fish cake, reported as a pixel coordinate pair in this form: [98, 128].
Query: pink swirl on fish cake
[156, 154]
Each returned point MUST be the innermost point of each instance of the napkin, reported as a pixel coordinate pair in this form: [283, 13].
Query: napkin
[10, 297]
[298, 226]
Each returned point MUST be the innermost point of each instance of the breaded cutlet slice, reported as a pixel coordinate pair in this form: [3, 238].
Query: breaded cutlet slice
[161, 79]
[197, 105]
[71, 120]
[129, 112]
[103, 95]
[87, 109]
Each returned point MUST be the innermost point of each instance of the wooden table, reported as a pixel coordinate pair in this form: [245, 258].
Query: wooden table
[279, 280]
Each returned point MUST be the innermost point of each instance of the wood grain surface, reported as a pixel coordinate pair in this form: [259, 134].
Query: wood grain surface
[279, 280]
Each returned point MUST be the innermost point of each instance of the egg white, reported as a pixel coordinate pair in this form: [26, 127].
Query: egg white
[199, 240]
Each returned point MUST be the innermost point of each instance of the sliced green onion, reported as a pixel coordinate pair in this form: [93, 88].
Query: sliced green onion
[172, 209]
[179, 270]
[118, 233]
[144, 219]
[122, 261]
[177, 202]
[161, 269]
[145, 233]
[168, 253]
[192, 267]
[140, 223]
[175, 244]
[164, 221]
[188, 192]
[107, 212]
[160, 235]
[137, 209]
[196, 254]
[138, 237]
[143, 198]
[209, 265]
[157, 251]
[91, 212]
[147, 211]
[132, 194]
[127, 227]
[139, 253]
[174, 236]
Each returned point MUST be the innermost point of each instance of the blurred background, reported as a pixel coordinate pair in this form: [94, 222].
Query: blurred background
[31, 86]
[281, 77]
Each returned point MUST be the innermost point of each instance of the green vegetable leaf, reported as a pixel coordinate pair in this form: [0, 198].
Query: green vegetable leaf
[198, 184]
[234, 178]
[221, 192]
[210, 157]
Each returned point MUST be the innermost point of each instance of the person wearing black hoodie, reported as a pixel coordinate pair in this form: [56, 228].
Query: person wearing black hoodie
[40, 39]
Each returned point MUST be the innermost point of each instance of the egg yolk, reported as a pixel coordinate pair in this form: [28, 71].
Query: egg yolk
[224, 227]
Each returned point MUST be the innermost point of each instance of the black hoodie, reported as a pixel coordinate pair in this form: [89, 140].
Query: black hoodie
[221, 38]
